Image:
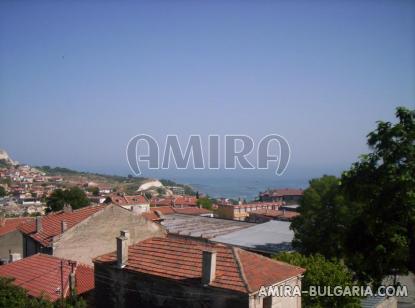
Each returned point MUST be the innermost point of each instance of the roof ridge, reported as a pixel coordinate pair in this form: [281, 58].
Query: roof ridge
[240, 268]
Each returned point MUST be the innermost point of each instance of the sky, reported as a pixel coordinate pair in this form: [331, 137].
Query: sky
[78, 79]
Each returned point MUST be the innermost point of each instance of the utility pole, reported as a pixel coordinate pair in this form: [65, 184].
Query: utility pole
[61, 283]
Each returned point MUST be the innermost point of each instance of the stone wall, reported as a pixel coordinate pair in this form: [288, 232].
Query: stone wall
[96, 235]
[12, 241]
[120, 288]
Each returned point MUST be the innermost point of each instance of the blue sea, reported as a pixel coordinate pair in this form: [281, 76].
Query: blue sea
[244, 184]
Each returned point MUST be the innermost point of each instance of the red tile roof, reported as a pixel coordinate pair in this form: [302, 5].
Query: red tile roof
[51, 224]
[128, 200]
[288, 215]
[174, 201]
[40, 274]
[181, 259]
[167, 210]
[12, 224]
[192, 211]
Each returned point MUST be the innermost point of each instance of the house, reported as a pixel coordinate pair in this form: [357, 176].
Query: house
[85, 233]
[242, 211]
[175, 201]
[261, 216]
[136, 203]
[11, 240]
[179, 272]
[46, 276]
[266, 238]
[287, 195]
[158, 213]
[201, 227]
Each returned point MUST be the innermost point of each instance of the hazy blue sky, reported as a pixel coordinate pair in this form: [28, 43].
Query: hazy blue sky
[78, 79]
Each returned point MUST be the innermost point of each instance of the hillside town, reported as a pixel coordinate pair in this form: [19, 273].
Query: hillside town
[54, 253]
[109, 247]
[207, 154]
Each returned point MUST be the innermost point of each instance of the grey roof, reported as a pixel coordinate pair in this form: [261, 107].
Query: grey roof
[198, 226]
[270, 237]
[372, 301]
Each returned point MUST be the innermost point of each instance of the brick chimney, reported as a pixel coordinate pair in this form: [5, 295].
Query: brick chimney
[122, 248]
[64, 226]
[208, 266]
[38, 223]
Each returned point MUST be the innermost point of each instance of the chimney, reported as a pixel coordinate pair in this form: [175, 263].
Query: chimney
[67, 208]
[38, 223]
[122, 248]
[72, 278]
[64, 226]
[14, 257]
[208, 266]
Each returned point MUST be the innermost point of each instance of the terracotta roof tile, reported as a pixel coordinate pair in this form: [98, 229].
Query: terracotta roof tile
[288, 215]
[40, 274]
[181, 259]
[51, 224]
[128, 200]
[167, 210]
[12, 224]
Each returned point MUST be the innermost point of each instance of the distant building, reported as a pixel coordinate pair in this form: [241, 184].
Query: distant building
[261, 216]
[286, 195]
[43, 276]
[158, 213]
[178, 272]
[136, 203]
[174, 201]
[266, 238]
[11, 240]
[83, 234]
[201, 227]
[242, 211]
[177, 190]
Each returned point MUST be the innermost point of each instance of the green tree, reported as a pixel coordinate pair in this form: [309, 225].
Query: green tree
[94, 191]
[2, 191]
[205, 202]
[74, 196]
[12, 296]
[324, 217]
[381, 239]
[322, 272]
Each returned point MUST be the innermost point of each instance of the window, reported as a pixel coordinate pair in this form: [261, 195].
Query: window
[267, 302]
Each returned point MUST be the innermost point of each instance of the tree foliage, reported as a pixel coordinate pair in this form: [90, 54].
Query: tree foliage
[381, 240]
[15, 297]
[2, 191]
[324, 217]
[367, 218]
[322, 272]
[205, 202]
[12, 296]
[74, 196]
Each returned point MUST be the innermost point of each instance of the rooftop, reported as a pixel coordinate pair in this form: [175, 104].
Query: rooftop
[180, 259]
[199, 226]
[284, 215]
[128, 200]
[11, 224]
[51, 224]
[41, 274]
[270, 237]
